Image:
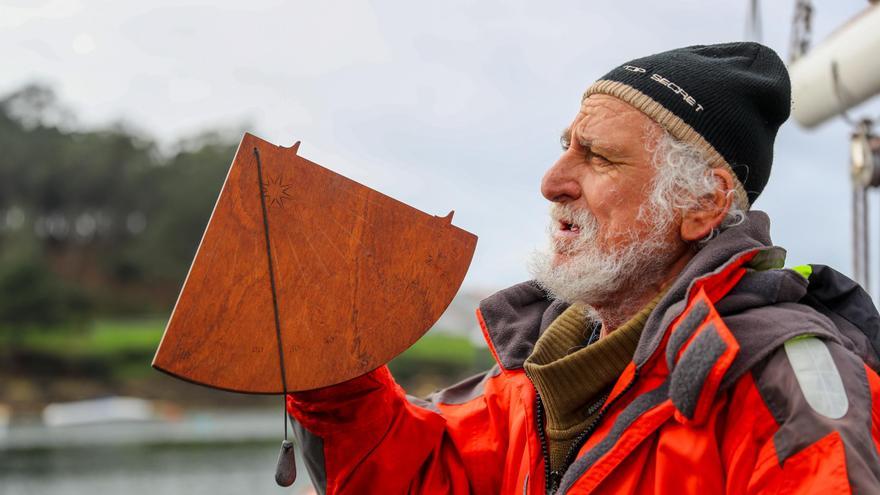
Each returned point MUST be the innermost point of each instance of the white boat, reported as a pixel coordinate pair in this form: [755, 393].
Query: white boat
[104, 410]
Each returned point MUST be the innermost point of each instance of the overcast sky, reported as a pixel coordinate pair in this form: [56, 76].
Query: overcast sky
[443, 105]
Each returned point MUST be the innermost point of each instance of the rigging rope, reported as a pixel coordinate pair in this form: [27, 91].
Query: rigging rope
[801, 29]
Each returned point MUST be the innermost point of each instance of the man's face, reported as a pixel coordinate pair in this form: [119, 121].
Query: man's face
[603, 233]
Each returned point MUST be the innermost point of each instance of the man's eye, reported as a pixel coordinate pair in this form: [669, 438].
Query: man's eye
[600, 160]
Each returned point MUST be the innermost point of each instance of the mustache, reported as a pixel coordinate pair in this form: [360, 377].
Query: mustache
[566, 213]
[580, 221]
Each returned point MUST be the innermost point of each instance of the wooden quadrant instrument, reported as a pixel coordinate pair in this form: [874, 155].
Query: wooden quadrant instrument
[305, 279]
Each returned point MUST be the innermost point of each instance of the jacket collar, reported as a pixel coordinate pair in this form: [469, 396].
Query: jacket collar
[513, 318]
[745, 245]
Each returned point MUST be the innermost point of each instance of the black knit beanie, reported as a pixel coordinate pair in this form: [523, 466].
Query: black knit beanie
[727, 100]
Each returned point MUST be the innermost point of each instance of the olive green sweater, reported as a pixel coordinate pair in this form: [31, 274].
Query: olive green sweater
[571, 376]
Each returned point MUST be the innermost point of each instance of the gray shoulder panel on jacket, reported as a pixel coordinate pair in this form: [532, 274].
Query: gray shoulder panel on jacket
[312, 447]
[465, 390]
[781, 383]
[460, 393]
[761, 331]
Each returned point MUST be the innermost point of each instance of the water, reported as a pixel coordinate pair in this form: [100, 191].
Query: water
[132, 459]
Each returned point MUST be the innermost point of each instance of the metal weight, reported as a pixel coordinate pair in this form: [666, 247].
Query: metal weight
[285, 471]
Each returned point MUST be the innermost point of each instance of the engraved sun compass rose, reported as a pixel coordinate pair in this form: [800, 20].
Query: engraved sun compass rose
[275, 191]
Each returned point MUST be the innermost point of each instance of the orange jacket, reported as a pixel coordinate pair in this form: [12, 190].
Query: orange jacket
[747, 379]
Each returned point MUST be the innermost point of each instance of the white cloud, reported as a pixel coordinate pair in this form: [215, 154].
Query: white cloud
[452, 105]
[83, 44]
[16, 16]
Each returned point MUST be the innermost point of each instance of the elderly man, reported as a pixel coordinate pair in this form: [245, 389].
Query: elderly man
[661, 348]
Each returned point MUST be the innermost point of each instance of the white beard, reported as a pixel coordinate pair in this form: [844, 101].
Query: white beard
[592, 276]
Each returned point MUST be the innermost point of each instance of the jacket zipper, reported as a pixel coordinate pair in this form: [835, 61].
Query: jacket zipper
[549, 476]
[554, 477]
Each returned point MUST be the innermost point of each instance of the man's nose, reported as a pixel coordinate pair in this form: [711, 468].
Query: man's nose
[559, 184]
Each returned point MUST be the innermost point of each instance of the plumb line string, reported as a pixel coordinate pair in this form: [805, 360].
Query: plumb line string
[274, 293]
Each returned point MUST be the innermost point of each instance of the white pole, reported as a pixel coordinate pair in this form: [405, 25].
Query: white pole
[855, 49]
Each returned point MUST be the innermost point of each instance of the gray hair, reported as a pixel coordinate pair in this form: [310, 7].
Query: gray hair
[682, 183]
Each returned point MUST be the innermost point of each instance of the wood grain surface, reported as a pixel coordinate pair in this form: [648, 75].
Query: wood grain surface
[359, 277]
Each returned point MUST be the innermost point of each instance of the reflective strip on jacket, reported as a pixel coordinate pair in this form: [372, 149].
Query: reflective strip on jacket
[748, 378]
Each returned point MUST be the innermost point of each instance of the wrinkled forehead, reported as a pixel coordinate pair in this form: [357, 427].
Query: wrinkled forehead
[604, 118]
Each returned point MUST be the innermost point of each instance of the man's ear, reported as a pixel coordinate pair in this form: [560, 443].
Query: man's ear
[698, 224]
